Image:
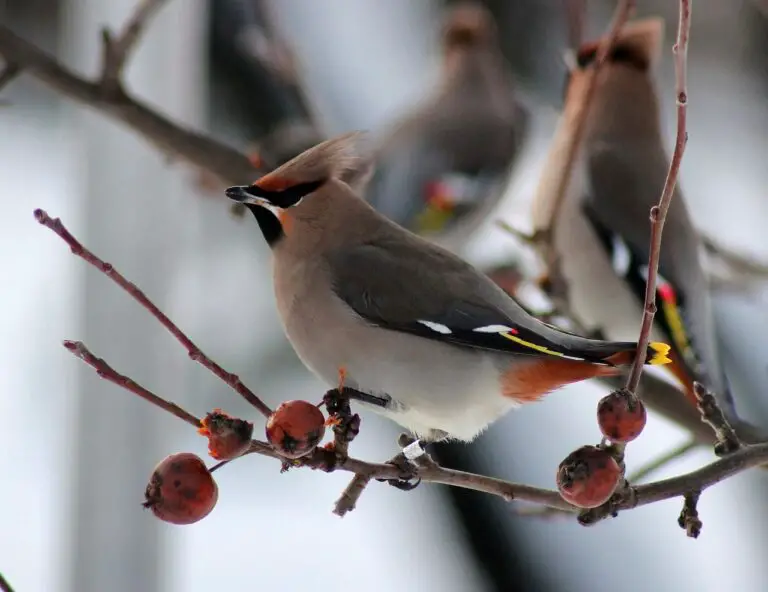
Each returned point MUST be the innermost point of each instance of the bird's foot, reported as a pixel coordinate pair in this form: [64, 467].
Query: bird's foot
[345, 425]
[408, 478]
[414, 456]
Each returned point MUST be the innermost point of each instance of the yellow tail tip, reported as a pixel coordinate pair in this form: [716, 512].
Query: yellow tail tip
[660, 353]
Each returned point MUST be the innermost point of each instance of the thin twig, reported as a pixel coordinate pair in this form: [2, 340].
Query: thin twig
[659, 212]
[726, 439]
[106, 372]
[552, 189]
[117, 49]
[348, 499]
[689, 517]
[195, 148]
[194, 352]
[663, 460]
[4, 585]
[698, 480]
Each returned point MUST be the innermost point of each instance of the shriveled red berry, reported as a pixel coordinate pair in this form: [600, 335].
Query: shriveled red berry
[295, 428]
[181, 489]
[588, 477]
[621, 416]
[228, 437]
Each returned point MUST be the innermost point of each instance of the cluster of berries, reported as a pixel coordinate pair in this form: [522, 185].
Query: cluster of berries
[182, 489]
[589, 476]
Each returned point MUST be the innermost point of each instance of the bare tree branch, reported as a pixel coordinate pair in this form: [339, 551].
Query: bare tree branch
[659, 212]
[699, 480]
[352, 492]
[170, 138]
[727, 440]
[662, 460]
[689, 518]
[194, 352]
[106, 372]
[117, 50]
[552, 189]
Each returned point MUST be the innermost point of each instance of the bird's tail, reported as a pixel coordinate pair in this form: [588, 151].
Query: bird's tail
[657, 355]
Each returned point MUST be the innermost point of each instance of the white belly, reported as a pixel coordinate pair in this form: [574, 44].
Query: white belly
[433, 386]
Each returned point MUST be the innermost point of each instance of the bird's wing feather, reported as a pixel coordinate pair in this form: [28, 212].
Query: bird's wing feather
[436, 296]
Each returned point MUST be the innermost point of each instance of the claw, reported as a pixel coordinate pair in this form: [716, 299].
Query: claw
[404, 484]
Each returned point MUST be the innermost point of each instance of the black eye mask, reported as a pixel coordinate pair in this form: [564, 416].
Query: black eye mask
[285, 198]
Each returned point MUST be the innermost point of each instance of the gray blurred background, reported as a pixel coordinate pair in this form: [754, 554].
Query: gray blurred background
[77, 452]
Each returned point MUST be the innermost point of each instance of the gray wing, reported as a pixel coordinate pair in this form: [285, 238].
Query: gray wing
[434, 295]
[623, 186]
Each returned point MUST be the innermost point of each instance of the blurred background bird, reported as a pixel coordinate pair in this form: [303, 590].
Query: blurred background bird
[598, 233]
[448, 157]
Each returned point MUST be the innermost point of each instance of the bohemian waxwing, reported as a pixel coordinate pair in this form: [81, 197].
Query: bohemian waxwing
[601, 231]
[443, 348]
[444, 159]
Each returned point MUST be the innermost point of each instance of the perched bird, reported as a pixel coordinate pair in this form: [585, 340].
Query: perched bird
[442, 348]
[443, 159]
[601, 231]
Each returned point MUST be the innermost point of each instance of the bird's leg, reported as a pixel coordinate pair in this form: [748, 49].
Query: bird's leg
[408, 479]
[415, 450]
[414, 455]
[346, 425]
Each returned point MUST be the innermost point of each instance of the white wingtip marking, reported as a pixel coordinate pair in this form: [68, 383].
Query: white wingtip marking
[493, 329]
[621, 256]
[437, 327]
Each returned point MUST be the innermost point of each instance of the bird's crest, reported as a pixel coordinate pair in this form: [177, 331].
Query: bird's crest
[333, 158]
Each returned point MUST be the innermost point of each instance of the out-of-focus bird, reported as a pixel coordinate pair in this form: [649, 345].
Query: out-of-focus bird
[601, 231]
[442, 348]
[444, 159]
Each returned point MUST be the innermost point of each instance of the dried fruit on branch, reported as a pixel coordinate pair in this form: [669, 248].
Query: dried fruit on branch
[228, 437]
[181, 489]
[295, 428]
[588, 477]
[621, 416]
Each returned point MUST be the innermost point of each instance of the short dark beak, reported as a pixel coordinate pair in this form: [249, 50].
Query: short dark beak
[239, 194]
